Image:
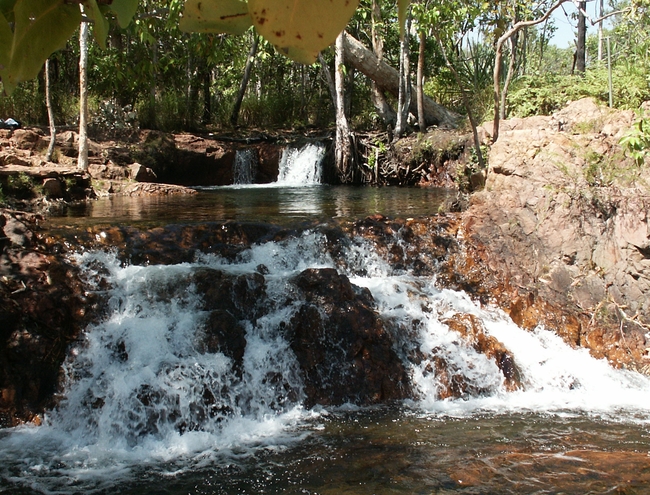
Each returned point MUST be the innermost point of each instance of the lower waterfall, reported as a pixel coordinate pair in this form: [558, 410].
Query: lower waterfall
[159, 387]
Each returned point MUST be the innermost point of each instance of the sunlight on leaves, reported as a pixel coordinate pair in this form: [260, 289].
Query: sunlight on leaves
[300, 29]
[215, 16]
[40, 28]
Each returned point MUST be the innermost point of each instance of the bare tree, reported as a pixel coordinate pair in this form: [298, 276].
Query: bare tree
[50, 112]
[343, 150]
[419, 84]
[404, 94]
[82, 161]
[234, 117]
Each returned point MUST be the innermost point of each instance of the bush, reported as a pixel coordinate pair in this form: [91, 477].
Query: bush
[547, 93]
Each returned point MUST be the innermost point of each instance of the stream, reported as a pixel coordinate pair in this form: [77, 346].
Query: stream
[147, 409]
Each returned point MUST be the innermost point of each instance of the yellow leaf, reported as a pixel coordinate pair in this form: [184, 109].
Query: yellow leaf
[301, 28]
[215, 16]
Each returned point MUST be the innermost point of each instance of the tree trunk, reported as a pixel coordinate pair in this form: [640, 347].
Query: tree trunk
[50, 113]
[419, 85]
[82, 161]
[207, 97]
[328, 78]
[581, 52]
[404, 93]
[234, 117]
[498, 52]
[377, 96]
[342, 151]
[511, 70]
[387, 78]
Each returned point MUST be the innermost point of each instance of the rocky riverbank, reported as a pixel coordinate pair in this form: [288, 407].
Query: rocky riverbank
[559, 236]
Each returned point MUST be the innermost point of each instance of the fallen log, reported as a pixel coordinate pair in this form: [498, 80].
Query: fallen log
[387, 79]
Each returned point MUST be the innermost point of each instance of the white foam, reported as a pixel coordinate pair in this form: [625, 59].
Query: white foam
[301, 166]
[135, 382]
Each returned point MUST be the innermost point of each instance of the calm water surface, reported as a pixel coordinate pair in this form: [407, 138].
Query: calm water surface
[273, 204]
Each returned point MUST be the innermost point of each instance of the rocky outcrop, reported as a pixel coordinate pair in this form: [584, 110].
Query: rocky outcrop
[563, 218]
[43, 307]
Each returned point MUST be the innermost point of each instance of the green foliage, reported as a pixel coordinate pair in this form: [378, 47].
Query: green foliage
[20, 186]
[636, 141]
[547, 93]
[33, 31]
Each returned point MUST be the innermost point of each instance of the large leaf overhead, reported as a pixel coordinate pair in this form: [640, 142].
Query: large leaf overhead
[215, 16]
[124, 11]
[40, 28]
[301, 28]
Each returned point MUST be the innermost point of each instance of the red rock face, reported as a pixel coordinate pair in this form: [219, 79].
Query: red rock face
[344, 349]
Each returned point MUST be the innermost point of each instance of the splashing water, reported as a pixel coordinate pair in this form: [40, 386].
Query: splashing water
[301, 166]
[142, 390]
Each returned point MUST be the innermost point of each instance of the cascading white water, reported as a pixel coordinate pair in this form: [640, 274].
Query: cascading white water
[137, 383]
[245, 166]
[301, 166]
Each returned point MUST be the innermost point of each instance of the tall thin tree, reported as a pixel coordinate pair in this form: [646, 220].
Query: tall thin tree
[234, 117]
[343, 149]
[82, 160]
[50, 112]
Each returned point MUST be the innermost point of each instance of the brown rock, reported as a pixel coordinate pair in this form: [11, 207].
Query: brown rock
[472, 331]
[141, 173]
[344, 351]
[53, 188]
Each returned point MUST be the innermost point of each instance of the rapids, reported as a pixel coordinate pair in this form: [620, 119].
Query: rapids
[146, 405]
[150, 404]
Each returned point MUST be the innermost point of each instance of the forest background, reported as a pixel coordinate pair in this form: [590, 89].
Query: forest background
[153, 75]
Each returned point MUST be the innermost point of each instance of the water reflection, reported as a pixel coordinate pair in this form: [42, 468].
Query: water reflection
[280, 205]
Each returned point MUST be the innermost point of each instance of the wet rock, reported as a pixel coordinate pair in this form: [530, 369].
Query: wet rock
[43, 307]
[472, 331]
[224, 333]
[344, 351]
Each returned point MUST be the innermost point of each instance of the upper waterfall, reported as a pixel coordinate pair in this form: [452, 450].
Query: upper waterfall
[301, 166]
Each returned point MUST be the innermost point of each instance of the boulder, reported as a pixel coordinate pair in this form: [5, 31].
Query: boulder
[344, 351]
[141, 173]
[53, 188]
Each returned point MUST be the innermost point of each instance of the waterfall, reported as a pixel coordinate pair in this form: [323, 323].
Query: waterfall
[161, 380]
[245, 166]
[301, 166]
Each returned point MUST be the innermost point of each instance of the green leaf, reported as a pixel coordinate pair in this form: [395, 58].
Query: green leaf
[402, 10]
[301, 28]
[40, 28]
[215, 16]
[100, 25]
[7, 8]
[6, 36]
[124, 10]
